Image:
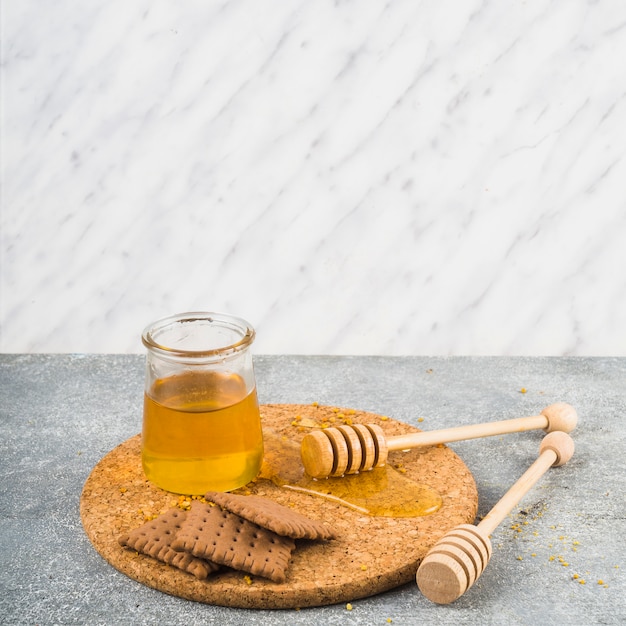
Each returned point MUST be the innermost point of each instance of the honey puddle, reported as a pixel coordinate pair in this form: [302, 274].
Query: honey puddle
[381, 492]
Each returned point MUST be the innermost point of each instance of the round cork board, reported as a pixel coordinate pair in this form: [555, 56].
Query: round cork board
[369, 555]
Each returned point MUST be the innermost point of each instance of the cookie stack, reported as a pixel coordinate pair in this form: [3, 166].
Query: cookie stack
[247, 533]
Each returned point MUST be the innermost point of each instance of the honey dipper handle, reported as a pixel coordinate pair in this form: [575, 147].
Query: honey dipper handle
[556, 417]
[556, 449]
[472, 431]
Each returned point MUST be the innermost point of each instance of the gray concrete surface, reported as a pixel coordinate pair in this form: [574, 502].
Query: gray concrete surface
[59, 414]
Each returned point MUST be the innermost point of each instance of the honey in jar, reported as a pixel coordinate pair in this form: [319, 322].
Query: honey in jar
[201, 424]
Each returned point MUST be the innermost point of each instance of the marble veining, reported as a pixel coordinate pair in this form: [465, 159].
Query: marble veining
[430, 178]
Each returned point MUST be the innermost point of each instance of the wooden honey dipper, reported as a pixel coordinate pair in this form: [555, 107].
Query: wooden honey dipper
[456, 561]
[351, 449]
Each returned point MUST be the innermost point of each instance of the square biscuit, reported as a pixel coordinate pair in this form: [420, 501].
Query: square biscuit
[222, 537]
[154, 538]
[272, 515]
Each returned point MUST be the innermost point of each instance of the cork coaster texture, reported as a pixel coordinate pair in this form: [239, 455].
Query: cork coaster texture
[369, 554]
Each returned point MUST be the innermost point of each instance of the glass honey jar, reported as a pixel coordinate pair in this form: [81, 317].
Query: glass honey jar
[201, 423]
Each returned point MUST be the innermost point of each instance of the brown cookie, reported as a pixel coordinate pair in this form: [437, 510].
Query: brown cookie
[223, 537]
[155, 539]
[271, 515]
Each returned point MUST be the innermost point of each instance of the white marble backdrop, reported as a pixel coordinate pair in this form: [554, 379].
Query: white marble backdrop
[354, 177]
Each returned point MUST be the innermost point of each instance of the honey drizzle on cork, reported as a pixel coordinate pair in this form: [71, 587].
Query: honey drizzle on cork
[381, 492]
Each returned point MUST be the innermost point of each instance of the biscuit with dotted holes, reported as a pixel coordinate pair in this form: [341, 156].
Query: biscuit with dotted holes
[222, 537]
[154, 538]
[272, 515]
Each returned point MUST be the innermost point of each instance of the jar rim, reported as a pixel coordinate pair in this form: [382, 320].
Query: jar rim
[232, 322]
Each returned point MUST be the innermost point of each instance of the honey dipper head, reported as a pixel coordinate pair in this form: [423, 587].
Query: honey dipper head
[454, 564]
[317, 454]
[343, 450]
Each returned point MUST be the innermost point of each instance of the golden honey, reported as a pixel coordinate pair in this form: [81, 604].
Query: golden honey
[201, 432]
[381, 492]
